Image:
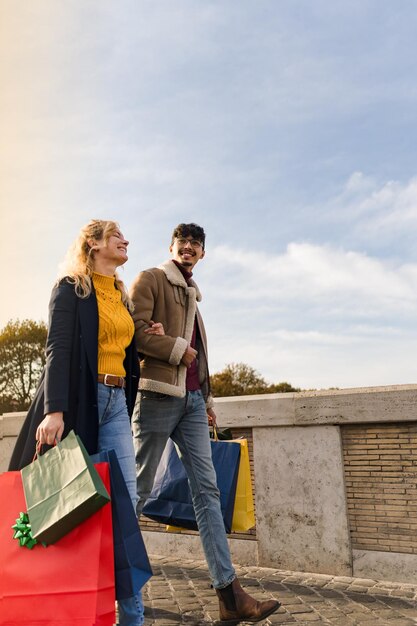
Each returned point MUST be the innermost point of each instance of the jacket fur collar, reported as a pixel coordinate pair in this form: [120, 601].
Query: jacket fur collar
[175, 277]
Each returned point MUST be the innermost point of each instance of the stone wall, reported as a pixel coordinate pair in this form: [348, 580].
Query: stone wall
[334, 475]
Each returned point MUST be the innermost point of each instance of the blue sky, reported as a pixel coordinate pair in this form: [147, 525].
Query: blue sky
[287, 128]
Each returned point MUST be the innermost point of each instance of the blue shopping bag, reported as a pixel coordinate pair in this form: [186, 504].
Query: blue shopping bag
[131, 562]
[170, 499]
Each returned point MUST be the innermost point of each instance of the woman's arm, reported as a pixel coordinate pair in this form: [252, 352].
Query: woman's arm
[62, 315]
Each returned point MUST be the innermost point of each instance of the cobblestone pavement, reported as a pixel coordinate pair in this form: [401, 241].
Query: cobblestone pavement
[180, 593]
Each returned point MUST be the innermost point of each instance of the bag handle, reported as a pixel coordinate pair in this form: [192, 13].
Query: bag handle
[220, 434]
[38, 449]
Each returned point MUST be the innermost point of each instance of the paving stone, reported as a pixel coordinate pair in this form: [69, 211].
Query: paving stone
[362, 598]
[386, 613]
[311, 598]
[381, 591]
[281, 618]
[365, 582]
[272, 585]
[402, 593]
[372, 620]
[298, 589]
[317, 582]
[337, 585]
[297, 608]
[398, 603]
[401, 622]
[387, 584]
[344, 605]
[330, 614]
[289, 599]
[357, 588]
[410, 612]
[330, 593]
[312, 576]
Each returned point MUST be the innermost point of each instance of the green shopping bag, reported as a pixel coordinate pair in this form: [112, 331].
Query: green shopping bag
[62, 489]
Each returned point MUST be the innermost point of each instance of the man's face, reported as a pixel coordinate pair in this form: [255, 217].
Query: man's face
[187, 251]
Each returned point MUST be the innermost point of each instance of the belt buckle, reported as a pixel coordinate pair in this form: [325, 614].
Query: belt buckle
[105, 381]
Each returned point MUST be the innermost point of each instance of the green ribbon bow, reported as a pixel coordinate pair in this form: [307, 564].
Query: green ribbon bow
[23, 531]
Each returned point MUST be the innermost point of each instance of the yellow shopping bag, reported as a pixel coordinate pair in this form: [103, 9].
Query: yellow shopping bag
[244, 510]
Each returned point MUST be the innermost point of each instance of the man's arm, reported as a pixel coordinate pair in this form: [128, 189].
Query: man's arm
[144, 294]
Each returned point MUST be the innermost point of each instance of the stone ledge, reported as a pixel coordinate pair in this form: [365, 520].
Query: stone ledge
[11, 423]
[310, 408]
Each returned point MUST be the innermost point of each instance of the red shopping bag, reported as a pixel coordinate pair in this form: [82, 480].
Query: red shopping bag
[69, 583]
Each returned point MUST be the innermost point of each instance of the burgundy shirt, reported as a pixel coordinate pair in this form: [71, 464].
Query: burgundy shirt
[192, 382]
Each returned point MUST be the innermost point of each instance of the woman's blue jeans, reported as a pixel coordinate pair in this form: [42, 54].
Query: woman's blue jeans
[115, 434]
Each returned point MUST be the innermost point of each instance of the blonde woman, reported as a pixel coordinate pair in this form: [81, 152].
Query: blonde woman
[91, 375]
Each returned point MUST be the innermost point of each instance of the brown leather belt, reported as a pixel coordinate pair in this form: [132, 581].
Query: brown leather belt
[111, 381]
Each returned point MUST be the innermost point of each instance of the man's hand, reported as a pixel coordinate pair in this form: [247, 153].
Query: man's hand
[51, 428]
[189, 355]
[211, 416]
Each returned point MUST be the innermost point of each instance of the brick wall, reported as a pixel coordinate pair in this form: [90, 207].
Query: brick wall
[380, 464]
[147, 524]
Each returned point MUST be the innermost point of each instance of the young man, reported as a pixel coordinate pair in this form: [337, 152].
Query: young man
[174, 401]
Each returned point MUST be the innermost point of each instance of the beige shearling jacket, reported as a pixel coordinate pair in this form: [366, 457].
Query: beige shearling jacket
[161, 294]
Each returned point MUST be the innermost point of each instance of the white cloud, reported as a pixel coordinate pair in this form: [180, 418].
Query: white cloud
[316, 316]
[374, 213]
[324, 276]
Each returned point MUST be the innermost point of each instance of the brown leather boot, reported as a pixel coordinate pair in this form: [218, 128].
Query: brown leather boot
[236, 605]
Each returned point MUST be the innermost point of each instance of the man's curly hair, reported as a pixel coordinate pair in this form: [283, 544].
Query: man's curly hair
[189, 230]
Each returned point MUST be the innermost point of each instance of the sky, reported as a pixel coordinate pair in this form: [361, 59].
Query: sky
[286, 128]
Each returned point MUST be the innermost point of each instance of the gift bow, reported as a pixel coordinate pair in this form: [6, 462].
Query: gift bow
[23, 531]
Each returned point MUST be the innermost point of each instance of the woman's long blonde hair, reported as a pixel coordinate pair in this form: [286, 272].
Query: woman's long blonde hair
[78, 266]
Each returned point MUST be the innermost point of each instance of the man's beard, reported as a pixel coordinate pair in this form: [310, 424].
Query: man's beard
[186, 263]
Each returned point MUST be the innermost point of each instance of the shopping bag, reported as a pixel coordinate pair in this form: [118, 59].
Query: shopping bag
[131, 562]
[244, 510]
[70, 583]
[170, 499]
[62, 489]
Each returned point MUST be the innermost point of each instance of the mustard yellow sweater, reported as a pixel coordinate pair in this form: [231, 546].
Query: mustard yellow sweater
[115, 326]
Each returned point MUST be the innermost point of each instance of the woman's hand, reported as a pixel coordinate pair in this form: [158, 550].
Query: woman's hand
[50, 428]
[155, 328]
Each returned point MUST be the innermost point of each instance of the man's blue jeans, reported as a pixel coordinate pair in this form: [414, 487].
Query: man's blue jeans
[115, 434]
[158, 417]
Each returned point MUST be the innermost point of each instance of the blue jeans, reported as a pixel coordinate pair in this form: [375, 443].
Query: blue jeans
[158, 417]
[115, 434]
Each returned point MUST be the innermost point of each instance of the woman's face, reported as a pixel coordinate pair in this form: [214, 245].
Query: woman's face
[114, 250]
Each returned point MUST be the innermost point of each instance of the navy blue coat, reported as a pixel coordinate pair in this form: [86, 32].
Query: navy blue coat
[69, 379]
